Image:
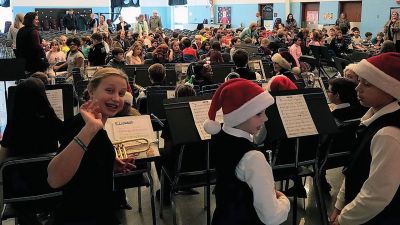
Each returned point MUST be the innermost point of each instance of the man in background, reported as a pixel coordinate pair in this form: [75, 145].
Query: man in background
[155, 21]
[70, 22]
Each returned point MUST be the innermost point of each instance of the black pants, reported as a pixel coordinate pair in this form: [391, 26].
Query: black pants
[397, 46]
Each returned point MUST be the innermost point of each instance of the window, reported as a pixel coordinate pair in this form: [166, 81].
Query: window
[5, 15]
[180, 16]
[129, 14]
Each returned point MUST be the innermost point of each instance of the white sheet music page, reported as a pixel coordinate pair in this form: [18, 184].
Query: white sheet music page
[200, 114]
[56, 101]
[130, 127]
[170, 94]
[296, 117]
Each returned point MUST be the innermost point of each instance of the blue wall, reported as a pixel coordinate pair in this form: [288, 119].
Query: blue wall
[375, 14]
[246, 13]
[163, 11]
[295, 9]
[328, 7]
[197, 13]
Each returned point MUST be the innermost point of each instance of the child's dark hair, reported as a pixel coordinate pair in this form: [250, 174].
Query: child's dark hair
[345, 88]
[74, 40]
[157, 73]
[97, 37]
[186, 43]
[117, 51]
[240, 58]
[368, 34]
[216, 46]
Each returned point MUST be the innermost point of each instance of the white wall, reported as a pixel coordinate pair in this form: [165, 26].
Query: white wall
[229, 2]
[153, 3]
[62, 3]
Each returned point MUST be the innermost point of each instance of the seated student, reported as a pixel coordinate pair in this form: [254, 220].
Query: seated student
[157, 75]
[342, 93]
[339, 45]
[378, 40]
[245, 190]
[388, 46]
[175, 53]
[241, 59]
[205, 47]
[370, 193]
[350, 74]
[97, 52]
[280, 83]
[214, 54]
[264, 47]
[189, 53]
[161, 54]
[356, 40]
[282, 66]
[83, 169]
[199, 73]
[32, 128]
[118, 60]
[41, 76]
[54, 56]
[235, 42]
[367, 42]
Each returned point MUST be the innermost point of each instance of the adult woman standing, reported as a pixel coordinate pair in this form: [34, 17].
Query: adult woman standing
[342, 21]
[290, 22]
[12, 33]
[28, 45]
[392, 28]
[84, 167]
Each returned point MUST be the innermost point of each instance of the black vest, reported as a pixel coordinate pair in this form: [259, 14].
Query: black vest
[358, 170]
[234, 198]
[246, 73]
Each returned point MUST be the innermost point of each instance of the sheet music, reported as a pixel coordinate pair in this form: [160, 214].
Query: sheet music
[170, 94]
[133, 127]
[200, 114]
[296, 117]
[56, 101]
[130, 127]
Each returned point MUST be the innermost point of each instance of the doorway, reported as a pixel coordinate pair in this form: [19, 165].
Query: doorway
[310, 15]
[353, 12]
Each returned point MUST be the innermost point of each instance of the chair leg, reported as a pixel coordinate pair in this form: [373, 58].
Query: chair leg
[140, 199]
[153, 206]
[205, 198]
[173, 206]
[208, 194]
[162, 193]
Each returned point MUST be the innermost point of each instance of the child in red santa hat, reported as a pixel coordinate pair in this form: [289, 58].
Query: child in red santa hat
[370, 193]
[245, 192]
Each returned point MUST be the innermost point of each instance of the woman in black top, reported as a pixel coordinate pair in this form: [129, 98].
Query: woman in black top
[84, 167]
[28, 45]
[32, 128]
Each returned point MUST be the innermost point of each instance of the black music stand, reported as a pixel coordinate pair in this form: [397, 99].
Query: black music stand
[12, 70]
[67, 95]
[220, 71]
[321, 54]
[324, 123]
[183, 129]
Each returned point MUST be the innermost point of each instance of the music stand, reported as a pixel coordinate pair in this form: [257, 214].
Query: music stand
[12, 70]
[257, 66]
[252, 50]
[220, 71]
[142, 77]
[183, 129]
[67, 96]
[321, 54]
[324, 123]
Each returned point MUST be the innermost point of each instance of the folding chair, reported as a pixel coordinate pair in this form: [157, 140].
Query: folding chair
[32, 190]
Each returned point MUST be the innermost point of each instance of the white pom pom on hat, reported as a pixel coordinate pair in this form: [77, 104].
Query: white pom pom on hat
[240, 99]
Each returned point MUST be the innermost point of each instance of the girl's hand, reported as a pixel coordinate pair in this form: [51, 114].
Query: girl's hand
[124, 165]
[90, 112]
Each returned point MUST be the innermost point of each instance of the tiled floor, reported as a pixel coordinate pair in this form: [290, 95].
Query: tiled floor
[190, 208]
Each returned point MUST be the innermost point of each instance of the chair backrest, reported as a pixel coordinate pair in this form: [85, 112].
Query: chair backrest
[24, 179]
[155, 97]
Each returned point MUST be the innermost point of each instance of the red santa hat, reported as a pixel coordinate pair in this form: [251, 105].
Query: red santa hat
[240, 99]
[281, 83]
[383, 71]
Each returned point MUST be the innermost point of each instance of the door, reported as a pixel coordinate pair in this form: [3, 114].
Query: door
[310, 15]
[352, 11]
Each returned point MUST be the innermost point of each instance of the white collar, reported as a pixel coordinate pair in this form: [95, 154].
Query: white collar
[370, 116]
[237, 132]
[341, 106]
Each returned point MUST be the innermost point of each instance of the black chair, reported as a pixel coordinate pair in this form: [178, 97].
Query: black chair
[149, 55]
[148, 61]
[155, 97]
[220, 71]
[226, 57]
[137, 178]
[34, 194]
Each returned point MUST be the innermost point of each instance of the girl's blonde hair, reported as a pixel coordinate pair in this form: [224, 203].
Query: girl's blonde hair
[103, 73]
[56, 42]
[19, 20]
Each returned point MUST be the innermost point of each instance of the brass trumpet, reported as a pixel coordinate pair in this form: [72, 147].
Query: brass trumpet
[130, 147]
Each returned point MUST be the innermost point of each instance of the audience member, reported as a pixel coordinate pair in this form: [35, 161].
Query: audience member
[97, 52]
[12, 32]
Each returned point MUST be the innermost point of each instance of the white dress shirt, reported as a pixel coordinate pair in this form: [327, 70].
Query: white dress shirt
[384, 179]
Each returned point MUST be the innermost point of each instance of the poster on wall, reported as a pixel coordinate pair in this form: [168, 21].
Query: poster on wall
[224, 15]
[268, 12]
[312, 16]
